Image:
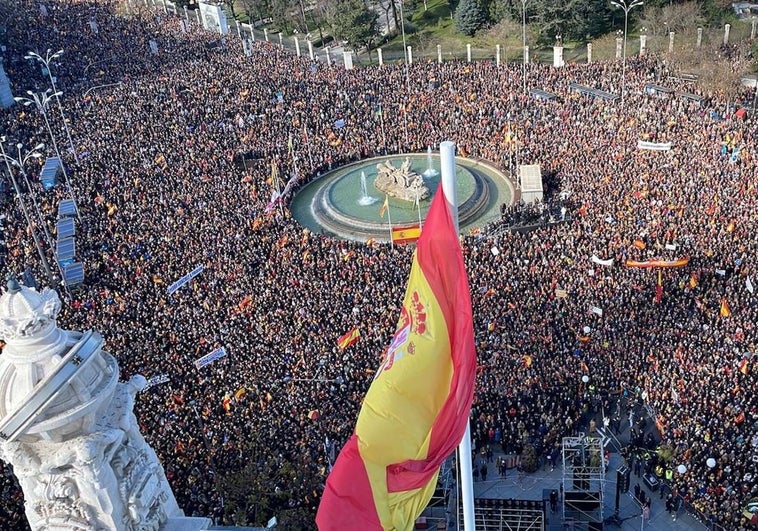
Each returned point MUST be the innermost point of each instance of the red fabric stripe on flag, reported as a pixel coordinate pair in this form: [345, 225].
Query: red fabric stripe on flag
[347, 502]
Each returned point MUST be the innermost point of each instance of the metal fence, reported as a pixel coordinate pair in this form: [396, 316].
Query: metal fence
[604, 49]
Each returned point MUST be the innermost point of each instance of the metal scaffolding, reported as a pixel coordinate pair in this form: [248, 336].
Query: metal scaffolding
[583, 479]
[508, 515]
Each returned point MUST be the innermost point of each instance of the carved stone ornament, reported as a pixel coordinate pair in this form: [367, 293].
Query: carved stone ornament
[401, 183]
[27, 311]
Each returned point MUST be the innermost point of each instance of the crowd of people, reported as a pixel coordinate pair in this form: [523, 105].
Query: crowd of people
[173, 162]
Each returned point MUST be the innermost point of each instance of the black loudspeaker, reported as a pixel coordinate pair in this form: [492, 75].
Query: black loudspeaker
[623, 479]
[581, 478]
[582, 501]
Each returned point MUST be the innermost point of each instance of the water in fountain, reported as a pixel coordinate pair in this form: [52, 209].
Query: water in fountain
[429, 171]
[365, 199]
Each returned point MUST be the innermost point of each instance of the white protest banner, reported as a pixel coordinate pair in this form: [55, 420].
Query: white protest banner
[598, 261]
[653, 146]
[156, 380]
[219, 353]
[186, 278]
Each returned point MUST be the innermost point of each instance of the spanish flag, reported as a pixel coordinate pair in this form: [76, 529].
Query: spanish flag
[348, 338]
[387, 471]
[226, 403]
[385, 206]
[407, 234]
[744, 366]
[725, 311]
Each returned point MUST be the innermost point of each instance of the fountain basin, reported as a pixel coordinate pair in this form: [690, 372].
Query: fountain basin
[331, 204]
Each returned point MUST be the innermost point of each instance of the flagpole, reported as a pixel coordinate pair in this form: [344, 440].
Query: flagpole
[447, 159]
[418, 207]
[278, 191]
[308, 143]
[292, 154]
[389, 220]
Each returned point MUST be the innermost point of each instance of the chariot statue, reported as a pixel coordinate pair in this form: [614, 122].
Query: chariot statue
[401, 183]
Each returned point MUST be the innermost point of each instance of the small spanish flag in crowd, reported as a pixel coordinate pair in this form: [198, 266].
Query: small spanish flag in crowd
[744, 366]
[407, 234]
[385, 206]
[693, 281]
[639, 244]
[349, 338]
[527, 361]
[226, 403]
[239, 394]
[659, 289]
[725, 311]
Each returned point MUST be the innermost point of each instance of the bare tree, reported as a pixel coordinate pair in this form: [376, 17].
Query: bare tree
[682, 18]
[719, 70]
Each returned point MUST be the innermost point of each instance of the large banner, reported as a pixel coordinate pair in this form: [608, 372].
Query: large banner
[213, 18]
[186, 278]
[219, 353]
[653, 146]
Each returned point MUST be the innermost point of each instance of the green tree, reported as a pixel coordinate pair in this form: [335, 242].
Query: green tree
[469, 17]
[356, 24]
[572, 19]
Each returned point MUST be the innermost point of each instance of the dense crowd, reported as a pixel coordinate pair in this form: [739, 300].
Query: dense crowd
[162, 187]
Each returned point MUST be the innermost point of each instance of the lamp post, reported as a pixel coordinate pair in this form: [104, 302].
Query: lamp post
[46, 61]
[20, 162]
[407, 81]
[626, 7]
[8, 161]
[41, 101]
[523, 40]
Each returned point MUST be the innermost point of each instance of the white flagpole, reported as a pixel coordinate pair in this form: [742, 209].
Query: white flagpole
[389, 220]
[418, 207]
[447, 158]
[308, 143]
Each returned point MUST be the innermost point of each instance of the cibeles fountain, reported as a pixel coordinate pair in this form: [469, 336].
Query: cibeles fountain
[348, 201]
[68, 428]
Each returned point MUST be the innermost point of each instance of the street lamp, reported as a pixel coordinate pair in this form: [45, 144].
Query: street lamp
[626, 7]
[19, 163]
[523, 40]
[41, 101]
[8, 161]
[46, 61]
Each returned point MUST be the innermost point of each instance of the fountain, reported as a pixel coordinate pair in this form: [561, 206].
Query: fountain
[429, 172]
[365, 199]
[334, 203]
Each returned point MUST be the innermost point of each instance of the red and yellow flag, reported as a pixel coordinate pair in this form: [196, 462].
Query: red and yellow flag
[387, 471]
[407, 234]
[725, 311]
[385, 206]
[349, 338]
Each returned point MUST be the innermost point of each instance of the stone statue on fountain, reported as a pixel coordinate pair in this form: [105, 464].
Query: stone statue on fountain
[401, 183]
